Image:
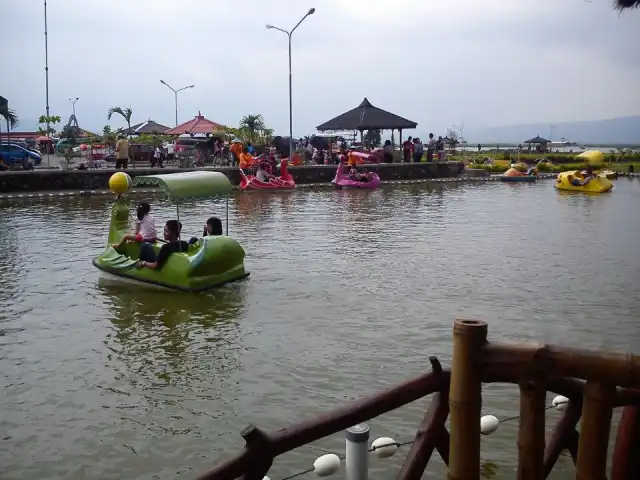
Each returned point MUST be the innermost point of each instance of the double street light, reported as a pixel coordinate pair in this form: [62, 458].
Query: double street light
[175, 93]
[289, 33]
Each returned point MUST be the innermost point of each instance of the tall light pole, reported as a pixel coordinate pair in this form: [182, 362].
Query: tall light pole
[175, 93]
[289, 33]
[73, 103]
[46, 76]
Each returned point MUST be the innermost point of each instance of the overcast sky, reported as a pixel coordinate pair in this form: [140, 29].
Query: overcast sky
[436, 62]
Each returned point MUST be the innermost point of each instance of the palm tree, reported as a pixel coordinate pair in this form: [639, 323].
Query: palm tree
[109, 137]
[126, 114]
[254, 125]
[626, 4]
[10, 116]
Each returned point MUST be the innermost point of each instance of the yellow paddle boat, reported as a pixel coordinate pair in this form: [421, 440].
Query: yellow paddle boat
[575, 181]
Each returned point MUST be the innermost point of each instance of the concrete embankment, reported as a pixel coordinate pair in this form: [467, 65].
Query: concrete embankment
[87, 180]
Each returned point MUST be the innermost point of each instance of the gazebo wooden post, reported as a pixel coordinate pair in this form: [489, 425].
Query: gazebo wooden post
[400, 139]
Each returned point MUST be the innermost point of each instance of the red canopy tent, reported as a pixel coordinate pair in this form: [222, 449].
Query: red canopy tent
[199, 125]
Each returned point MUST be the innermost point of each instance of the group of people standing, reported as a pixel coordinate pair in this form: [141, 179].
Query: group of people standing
[413, 149]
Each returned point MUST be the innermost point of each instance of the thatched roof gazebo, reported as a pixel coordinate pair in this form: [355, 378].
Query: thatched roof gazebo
[538, 140]
[367, 117]
[542, 143]
[148, 127]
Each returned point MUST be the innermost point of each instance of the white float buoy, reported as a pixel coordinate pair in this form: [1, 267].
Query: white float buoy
[560, 402]
[489, 424]
[326, 465]
[266, 478]
[384, 447]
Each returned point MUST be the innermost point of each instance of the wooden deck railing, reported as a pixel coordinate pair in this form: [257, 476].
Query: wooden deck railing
[594, 382]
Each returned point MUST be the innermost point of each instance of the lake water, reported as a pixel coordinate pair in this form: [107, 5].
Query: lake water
[350, 292]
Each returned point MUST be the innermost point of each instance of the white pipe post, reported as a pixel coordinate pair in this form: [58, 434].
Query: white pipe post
[357, 452]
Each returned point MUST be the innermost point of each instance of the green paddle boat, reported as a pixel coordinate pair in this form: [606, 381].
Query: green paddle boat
[208, 263]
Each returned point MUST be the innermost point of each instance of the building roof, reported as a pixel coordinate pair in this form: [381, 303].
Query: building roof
[198, 125]
[148, 127]
[367, 117]
[537, 139]
[19, 135]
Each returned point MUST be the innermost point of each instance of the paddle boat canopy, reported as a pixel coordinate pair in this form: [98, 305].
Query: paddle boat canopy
[595, 158]
[210, 262]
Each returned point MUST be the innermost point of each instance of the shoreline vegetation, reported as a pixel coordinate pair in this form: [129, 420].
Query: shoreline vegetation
[501, 166]
[556, 162]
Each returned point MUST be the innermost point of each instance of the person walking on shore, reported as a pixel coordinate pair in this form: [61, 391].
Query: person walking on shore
[387, 152]
[418, 150]
[440, 149]
[122, 153]
[431, 147]
[407, 150]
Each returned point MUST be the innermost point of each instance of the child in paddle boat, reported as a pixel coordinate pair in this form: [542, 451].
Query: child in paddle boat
[212, 228]
[148, 257]
[145, 227]
[357, 176]
[262, 174]
[587, 176]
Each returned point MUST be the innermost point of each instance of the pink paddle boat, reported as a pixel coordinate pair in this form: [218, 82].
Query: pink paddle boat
[344, 180]
[283, 182]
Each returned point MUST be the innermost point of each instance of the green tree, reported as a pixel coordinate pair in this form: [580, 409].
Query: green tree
[153, 139]
[109, 137]
[10, 116]
[253, 127]
[126, 114]
[69, 132]
[48, 123]
[373, 138]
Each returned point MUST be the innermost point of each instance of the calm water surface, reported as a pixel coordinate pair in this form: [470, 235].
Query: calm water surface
[350, 292]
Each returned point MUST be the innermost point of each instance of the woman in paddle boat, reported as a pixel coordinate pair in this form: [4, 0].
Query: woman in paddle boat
[145, 227]
[246, 159]
[148, 257]
[212, 228]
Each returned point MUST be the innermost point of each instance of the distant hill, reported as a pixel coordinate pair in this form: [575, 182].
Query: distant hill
[613, 131]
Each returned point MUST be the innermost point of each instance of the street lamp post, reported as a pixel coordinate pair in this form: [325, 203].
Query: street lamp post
[289, 33]
[73, 103]
[175, 93]
[46, 76]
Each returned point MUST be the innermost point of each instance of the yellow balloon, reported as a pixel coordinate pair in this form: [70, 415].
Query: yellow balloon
[120, 182]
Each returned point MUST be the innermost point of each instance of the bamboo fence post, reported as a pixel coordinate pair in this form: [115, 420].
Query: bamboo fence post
[563, 436]
[595, 426]
[465, 399]
[531, 430]
[626, 453]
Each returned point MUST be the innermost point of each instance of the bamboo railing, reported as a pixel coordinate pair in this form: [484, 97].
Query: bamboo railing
[595, 383]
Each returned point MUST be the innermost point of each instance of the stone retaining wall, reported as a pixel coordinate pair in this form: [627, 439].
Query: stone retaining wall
[45, 180]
